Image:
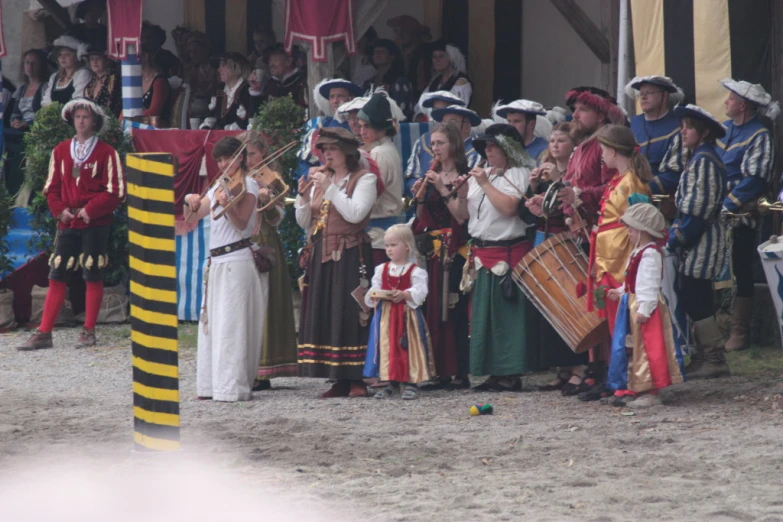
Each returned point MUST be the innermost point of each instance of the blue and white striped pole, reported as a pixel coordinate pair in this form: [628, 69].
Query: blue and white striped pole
[131, 85]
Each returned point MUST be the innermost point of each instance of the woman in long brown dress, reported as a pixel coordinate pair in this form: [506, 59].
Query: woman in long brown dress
[278, 350]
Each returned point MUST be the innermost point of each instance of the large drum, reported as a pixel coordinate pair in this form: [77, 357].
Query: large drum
[549, 275]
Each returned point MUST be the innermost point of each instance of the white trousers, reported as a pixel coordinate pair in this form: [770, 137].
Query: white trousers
[230, 348]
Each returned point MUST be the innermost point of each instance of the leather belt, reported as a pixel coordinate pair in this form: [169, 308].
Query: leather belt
[232, 247]
[480, 243]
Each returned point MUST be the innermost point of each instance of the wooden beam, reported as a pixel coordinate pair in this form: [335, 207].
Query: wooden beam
[587, 30]
[58, 12]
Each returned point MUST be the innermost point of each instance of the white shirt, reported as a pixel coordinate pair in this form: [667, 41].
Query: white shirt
[390, 203]
[353, 209]
[222, 231]
[418, 287]
[648, 280]
[486, 222]
[80, 80]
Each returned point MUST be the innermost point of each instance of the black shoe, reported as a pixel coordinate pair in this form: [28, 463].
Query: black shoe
[507, 385]
[486, 385]
[261, 385]
[459, 383]
[595, 394]
[436, 384]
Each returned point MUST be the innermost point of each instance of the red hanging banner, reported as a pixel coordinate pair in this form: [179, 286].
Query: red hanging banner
[319, 22]
[124, 21]
[2, 35]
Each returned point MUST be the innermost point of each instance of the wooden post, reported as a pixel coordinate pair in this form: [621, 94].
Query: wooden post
[610, 29]
[317, 71]
[153, 287]
[587, 30]
[59, 14]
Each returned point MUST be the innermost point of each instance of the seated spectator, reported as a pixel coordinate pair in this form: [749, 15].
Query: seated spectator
[152, 37]
[169, 64]
[105, 87]
[263, 38]
[410, 35]
[363, 69]
[156, 89]
[71, 77]
[449, 65]
[285, 78]
[233, 106]
[91, 31]
[390, 66]
[27, 98]
[199, 74]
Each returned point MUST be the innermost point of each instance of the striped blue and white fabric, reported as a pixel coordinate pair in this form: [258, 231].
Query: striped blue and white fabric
[192, 254]
[131, 86]
[128, 126]
[406, 139]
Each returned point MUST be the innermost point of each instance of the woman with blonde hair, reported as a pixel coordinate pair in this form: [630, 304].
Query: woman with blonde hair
[278, 349]
[70, 79]
[443, 241]
[232, 107]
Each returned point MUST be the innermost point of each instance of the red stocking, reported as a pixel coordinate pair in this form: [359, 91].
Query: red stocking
[55, 298]
[92, 303]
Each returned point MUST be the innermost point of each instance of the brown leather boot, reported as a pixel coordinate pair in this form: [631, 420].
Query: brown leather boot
[338, 389]
[86, 338]
[741, 311]
[38, 341]
[710, 342]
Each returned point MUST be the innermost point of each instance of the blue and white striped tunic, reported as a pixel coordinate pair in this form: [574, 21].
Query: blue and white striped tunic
[697, 234]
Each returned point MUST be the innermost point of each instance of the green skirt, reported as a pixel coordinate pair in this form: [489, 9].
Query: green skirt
[498, 340]
[278, 349]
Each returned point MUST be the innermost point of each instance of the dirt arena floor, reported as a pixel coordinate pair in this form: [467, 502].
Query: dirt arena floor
[713, 452]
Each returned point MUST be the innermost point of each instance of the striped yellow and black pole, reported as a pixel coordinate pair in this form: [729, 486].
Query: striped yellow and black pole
[153, 301]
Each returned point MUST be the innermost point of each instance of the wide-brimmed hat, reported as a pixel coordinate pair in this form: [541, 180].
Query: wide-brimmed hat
[509, 140]
[428, 99]
[753, 92]
[377, 112]
[697, 113]
[471, 116]
[599, 100]
[322, 88]
[81, 9]
[348, 107]
[676, 95]
[69, 42]
[94, 49]
[343, 138]
[645, 217]
[84, 103]
[455, 55]
[523, 106]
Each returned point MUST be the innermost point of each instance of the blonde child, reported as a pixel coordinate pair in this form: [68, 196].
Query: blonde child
[399, 350]
[653, 362]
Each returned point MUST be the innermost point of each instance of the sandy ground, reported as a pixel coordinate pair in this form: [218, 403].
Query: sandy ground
[713, 452]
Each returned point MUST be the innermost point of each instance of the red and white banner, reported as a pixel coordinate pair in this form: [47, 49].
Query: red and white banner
[124, 21]
[2, 35]
[319, 22]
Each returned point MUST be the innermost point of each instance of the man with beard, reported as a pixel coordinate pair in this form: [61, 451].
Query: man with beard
[587, 175]
[587, 178]
[657, 129]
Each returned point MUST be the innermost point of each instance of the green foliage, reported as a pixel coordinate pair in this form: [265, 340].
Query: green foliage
[281, 121]
[48, 130]
[6, 204]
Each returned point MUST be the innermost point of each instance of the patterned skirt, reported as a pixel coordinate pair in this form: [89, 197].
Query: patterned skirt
[332, 342]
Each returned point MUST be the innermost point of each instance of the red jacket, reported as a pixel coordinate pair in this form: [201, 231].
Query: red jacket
[99, 189]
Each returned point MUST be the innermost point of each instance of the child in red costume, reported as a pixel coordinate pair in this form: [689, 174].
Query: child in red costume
[84, 186]
[651, 362]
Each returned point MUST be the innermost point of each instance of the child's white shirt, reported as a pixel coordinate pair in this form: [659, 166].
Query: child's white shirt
[418, 288]
[648, 279]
